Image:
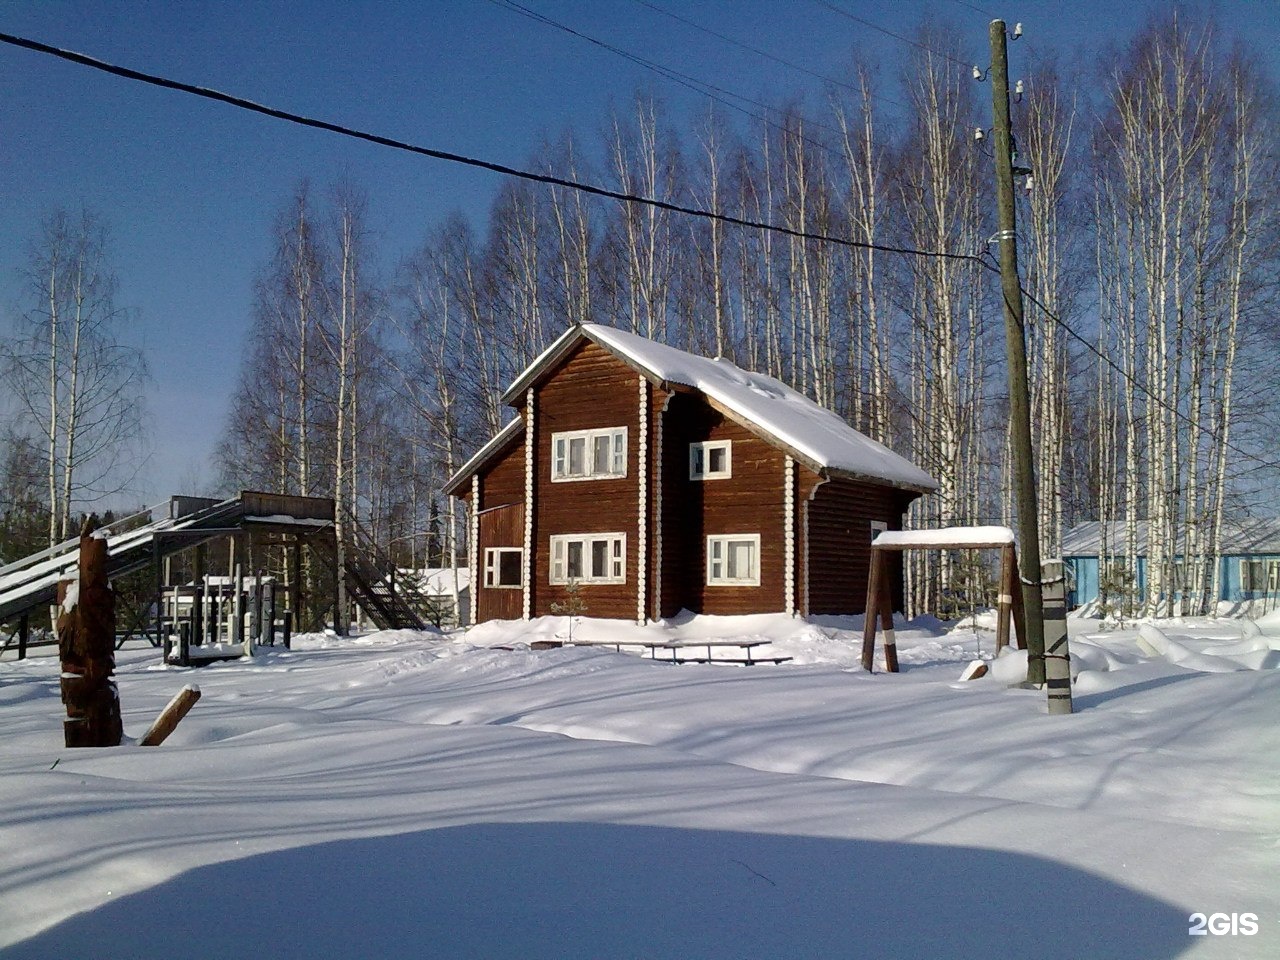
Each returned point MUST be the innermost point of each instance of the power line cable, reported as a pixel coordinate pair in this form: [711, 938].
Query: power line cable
[241, 103]
[976, 9]
[764, 53]
[706, 89]
[889, 33]
[219, 96]
[1135, 382]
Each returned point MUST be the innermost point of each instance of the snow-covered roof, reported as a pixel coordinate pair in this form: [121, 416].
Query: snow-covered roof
[945, 537]
[438, 581]
[814, 433]
[1249, 536]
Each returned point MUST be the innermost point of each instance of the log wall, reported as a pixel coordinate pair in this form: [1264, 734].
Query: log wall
[590, 390]
[839, 531]
[499, 527]
[749, 501]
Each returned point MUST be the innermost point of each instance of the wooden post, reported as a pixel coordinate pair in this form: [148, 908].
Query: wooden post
[197, 578]
[886, 623]
[158, 575]
[1008, 584]
[1019, 616]
[86, 644]
[169, 717]
[871, 610]
[24, 631]
[258, 586]
[296, 587]
[271, 614]
[288, 629]
[237, 607]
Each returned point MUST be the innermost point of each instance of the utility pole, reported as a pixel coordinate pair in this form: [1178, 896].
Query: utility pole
[1019, 404]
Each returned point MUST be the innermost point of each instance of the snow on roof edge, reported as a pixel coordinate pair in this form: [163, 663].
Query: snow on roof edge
[944, 537]
[763, 401]
[468, 468]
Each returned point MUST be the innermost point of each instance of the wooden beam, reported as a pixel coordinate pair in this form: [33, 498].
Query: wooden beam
[1004, 602]
[871, 611]
[170, 716]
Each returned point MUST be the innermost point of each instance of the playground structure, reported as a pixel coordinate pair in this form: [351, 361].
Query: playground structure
[880, 604]
[223, 573]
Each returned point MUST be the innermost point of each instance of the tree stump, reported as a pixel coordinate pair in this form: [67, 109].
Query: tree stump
[86, 628]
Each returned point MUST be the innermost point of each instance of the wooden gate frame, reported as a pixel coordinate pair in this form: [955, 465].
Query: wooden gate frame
[880, 603]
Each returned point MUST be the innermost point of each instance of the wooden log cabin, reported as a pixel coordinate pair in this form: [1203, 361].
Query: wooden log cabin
[657, 480]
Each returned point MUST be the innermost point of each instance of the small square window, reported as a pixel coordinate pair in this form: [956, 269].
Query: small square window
[734, 560]
[711, 460]
[503, 567]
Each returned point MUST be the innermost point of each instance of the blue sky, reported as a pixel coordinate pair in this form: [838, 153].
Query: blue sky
[190, 187]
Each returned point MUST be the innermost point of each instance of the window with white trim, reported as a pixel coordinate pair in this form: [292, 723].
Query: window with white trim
[711, 460]
[504, 567]
[1260, 576]
[589, 454]
[877, 527]
[589, 558]
[733, 560]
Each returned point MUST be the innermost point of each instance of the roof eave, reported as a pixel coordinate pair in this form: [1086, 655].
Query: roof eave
[483, 455]
[917, 488]
[545, 360]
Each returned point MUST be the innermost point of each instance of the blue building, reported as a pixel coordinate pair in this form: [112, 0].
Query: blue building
[1249, 560]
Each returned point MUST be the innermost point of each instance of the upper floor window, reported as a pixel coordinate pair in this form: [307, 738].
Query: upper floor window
[711, 460]
[589, 454]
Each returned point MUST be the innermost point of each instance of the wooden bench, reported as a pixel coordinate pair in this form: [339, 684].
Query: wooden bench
[676, 646]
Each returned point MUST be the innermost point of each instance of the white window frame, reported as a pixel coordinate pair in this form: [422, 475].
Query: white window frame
[615, 469]
[1248, 582]
[493, 568]
[716, 556]
[615, 558]
[878, 527]
[1273, 576]
[700, 453]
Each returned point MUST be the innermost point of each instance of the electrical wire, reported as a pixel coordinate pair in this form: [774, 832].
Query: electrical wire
[219, 96]
[1136, 383]
[605, 192]
[889, 33]
[976, 9]
[764, 53]
[706, 89]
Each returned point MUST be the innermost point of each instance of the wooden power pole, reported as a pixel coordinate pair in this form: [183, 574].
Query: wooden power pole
[1015, 339]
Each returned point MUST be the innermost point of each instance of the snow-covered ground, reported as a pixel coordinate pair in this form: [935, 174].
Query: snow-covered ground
[407, 795]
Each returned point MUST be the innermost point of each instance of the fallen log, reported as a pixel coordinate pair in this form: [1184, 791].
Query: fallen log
[170, 716]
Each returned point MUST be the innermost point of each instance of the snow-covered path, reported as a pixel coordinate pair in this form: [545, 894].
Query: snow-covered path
[401, 796]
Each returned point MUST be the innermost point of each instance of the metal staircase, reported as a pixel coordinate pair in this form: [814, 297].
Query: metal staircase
[372, 582]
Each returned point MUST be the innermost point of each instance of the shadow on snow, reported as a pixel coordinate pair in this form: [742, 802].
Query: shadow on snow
[581, 890]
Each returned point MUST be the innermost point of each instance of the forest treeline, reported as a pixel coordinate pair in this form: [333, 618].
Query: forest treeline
[1148, 232]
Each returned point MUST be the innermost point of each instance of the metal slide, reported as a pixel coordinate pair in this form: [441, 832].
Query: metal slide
[32, 583]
